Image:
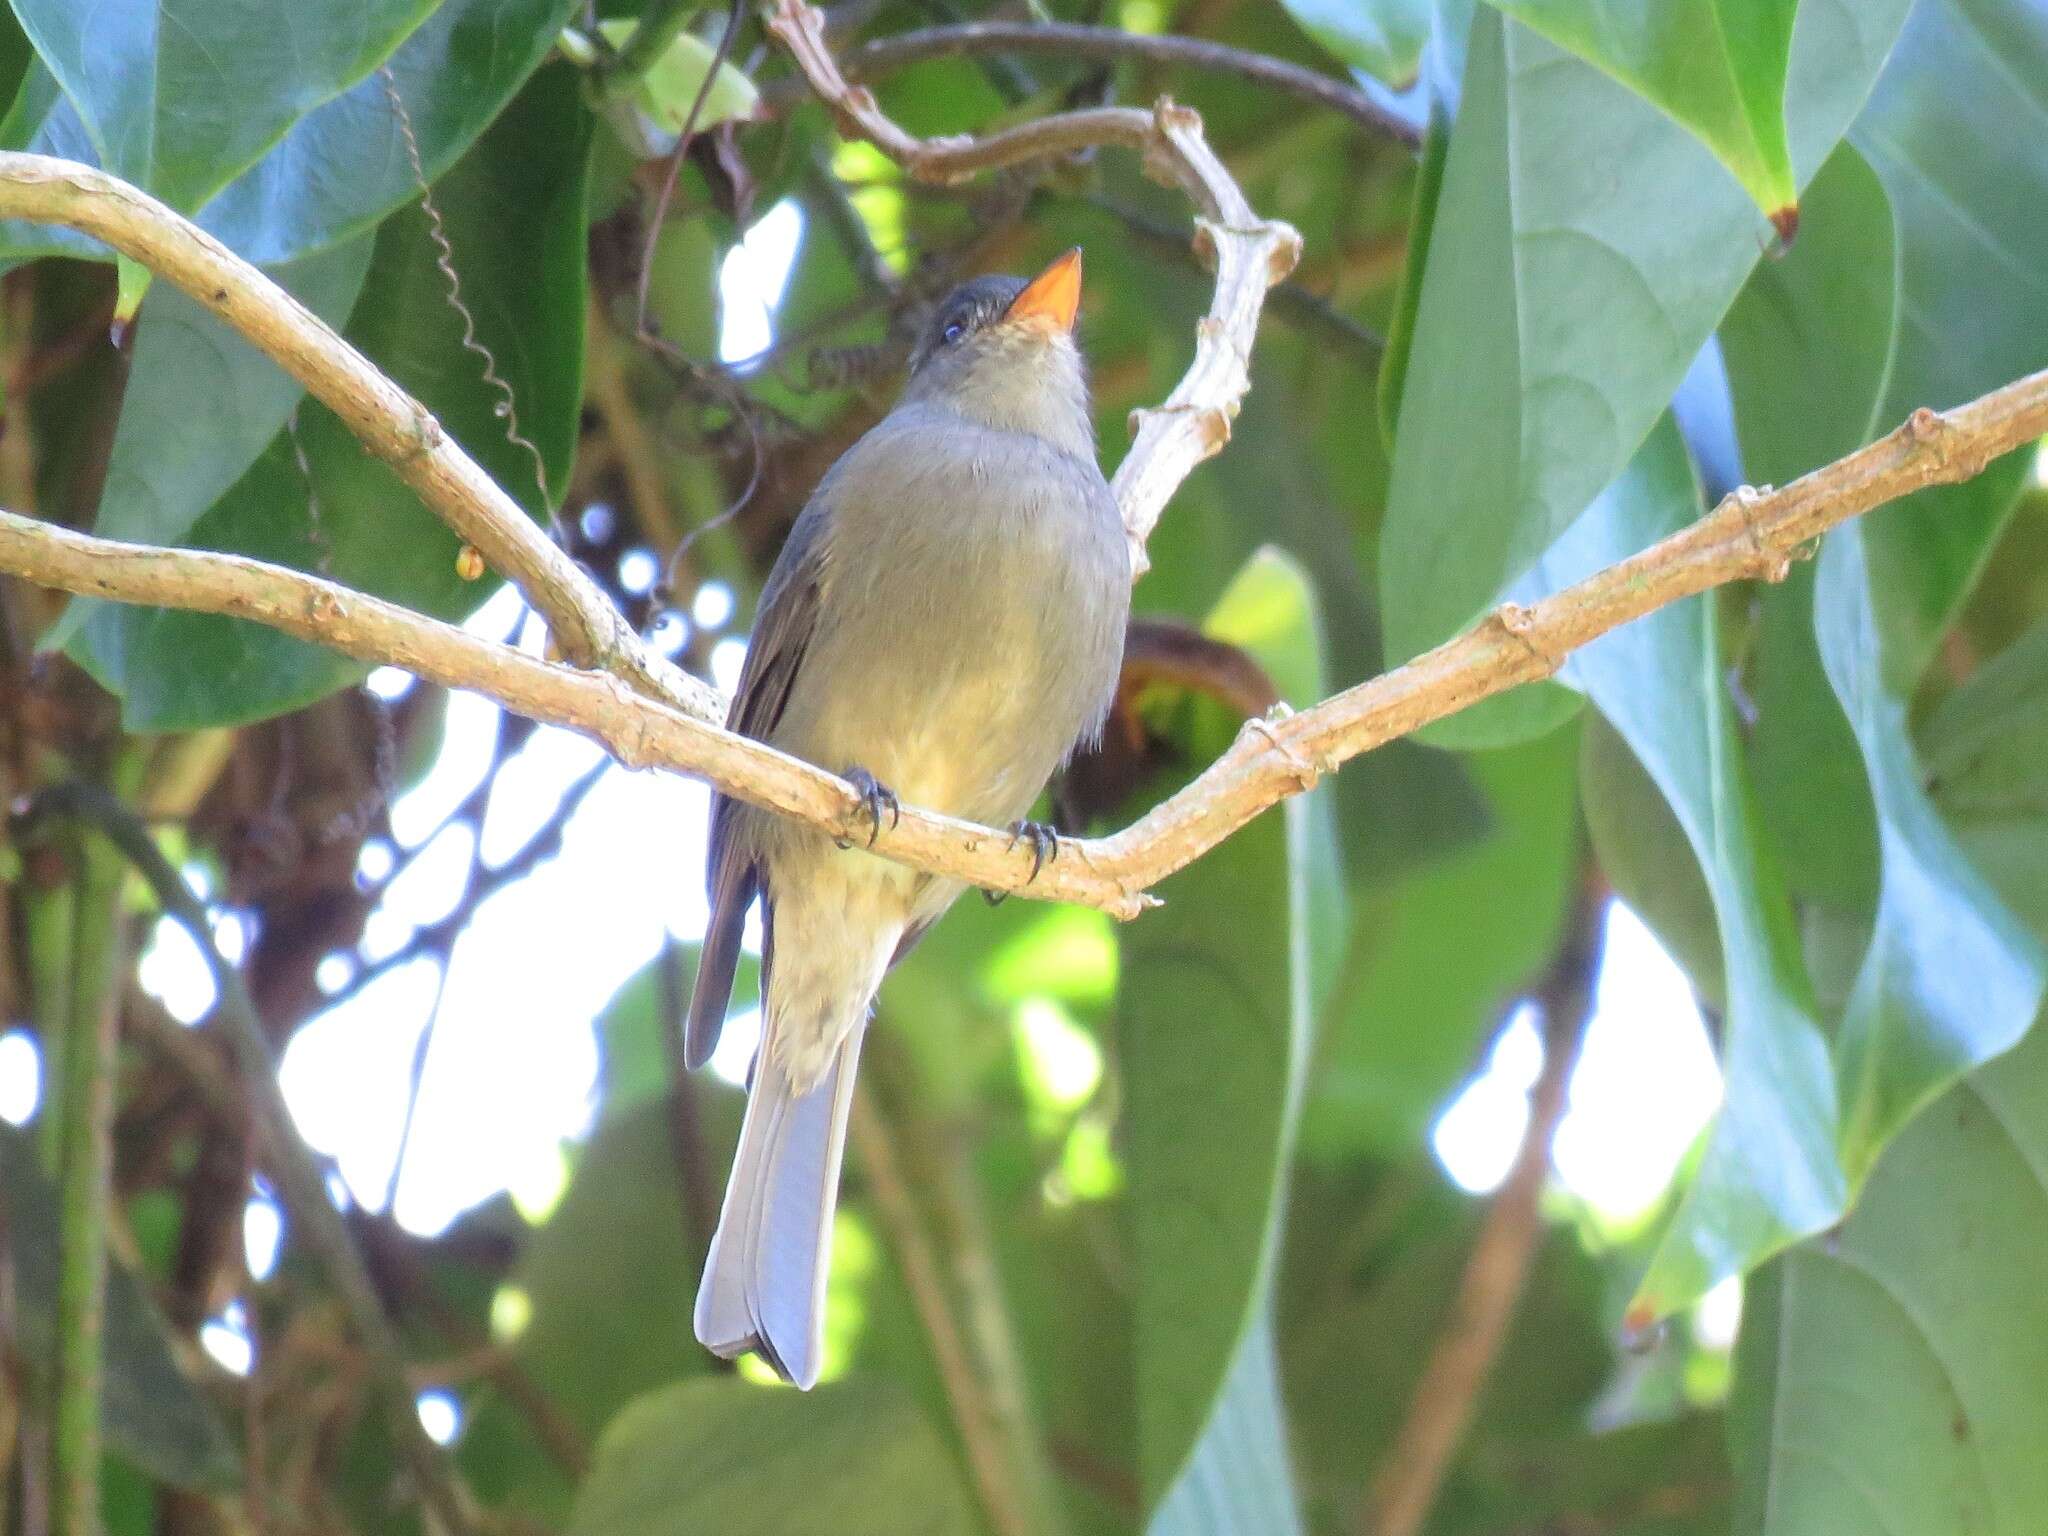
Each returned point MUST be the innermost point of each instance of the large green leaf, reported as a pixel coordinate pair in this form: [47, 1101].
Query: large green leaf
[1238, 1481]
[1215, 1004]
[1769, 1173]
[1381, 37]
[1717, 66]
[1890, 1377]
[1433, 961]
[1986, 756]
[1865, 323]
[849, 1459]
[1584, 248]
[179, 97]
[171, 463]
[1950, 978]
[362, 525]
[154, 1413]
[1911, 287]
[344, 165]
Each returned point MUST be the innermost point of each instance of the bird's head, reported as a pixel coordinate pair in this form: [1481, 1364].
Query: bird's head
[1000, 351]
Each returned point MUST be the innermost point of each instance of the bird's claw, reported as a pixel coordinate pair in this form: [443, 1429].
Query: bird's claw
[875, 798]
[1044, 840]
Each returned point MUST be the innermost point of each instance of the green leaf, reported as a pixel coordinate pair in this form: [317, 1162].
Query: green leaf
[362, 525]
[1769, 1174]
[1889, 1378]
[178, 97]
[1950, 979]
[1434, 961]
[1986, 756]
[652, 108]
[170, 463]
[343, 166]
[1716, 66]
[153, 1412]
[1215, 1006]
[1584, 248]
[1238, 1481]
[1381, 37]
[849, 1459]
[1910, 289]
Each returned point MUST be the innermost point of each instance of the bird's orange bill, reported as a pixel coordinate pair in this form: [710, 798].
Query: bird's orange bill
[1054, 296]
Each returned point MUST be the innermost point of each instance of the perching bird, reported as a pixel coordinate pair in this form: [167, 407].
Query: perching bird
[944, 625]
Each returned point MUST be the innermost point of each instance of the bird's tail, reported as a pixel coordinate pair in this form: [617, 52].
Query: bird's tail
[764, 1280]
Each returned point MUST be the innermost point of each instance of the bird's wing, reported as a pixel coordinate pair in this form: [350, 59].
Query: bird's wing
[783, 625]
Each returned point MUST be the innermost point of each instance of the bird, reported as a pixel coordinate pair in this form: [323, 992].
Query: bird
[943, 627]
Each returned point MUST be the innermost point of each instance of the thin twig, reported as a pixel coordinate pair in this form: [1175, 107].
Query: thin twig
[1464, 1353]
[1750, 535]
[300, 1182]
[659, 24]
[886, 55]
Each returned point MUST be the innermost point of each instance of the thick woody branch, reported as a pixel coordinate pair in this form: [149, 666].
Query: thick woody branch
[1249, 254]
[389, 422]
[1751, 535]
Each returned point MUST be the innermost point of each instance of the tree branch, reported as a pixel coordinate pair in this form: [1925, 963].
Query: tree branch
[884, 56]
[1457, 1368]
[388, 421]
[1250, 254]
[1750, 535]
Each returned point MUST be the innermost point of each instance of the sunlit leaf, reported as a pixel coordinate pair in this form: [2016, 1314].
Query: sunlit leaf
[1769, 1174]
[1381, 37]
[848, 1459]
[180, 97]
[1584, 247]
[1889, 1378]
[1215, 1008]
[345, 514]
[1717, 66]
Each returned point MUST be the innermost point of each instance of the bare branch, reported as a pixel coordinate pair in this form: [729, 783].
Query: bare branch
[886, 55]
[1751, 535]
[1250, 254]
[389, 422]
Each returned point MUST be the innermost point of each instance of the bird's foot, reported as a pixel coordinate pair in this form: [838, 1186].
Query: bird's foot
[1044, 840]
[875, 798]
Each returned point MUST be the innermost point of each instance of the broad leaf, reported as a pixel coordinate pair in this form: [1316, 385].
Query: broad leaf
[1238, 1482]
[849, 1459]
[1910, 289]
[1382, 37]
[344, 165]
[1890, 1377]
[154, 1413]
[1769, 1173]
[1215, 1004]
[179, 97]
[1950, 978]
[1717, 66]
[1584, 248]
[171, 463]
[1433, 961]
[361, 524]
[1986, 755]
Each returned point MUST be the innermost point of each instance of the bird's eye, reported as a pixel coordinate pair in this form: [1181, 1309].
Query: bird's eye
[954, 330]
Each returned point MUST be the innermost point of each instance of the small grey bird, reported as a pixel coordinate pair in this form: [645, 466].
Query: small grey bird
[945, 624]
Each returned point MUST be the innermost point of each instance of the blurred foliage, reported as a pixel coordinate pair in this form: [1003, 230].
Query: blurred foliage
[1142, 1229]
